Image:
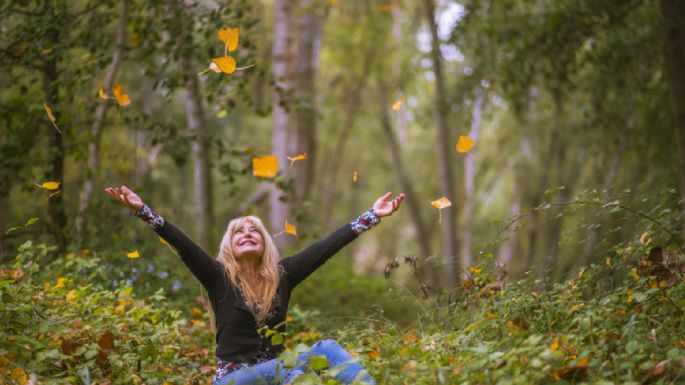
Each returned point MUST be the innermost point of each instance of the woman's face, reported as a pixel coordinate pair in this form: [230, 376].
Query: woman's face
[247, 241]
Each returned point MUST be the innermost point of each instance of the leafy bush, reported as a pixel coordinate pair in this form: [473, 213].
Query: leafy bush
[70, 329]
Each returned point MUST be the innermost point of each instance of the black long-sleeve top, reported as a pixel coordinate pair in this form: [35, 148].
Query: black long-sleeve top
[237, 337]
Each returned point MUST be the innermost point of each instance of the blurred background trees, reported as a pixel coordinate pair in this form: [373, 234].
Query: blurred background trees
[576, 108]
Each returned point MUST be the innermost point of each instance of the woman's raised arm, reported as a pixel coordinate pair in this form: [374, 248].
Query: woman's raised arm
[301, 265]
[204, 268]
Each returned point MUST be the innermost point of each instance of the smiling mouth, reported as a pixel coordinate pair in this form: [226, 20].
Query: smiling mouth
[248, 243]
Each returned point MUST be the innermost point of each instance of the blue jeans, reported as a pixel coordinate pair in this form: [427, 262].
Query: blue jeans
[274, 373]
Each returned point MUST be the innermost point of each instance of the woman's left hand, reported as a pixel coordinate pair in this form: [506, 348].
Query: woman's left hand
[386, 205]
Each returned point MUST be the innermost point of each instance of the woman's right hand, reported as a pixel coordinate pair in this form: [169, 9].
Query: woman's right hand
[125, 196]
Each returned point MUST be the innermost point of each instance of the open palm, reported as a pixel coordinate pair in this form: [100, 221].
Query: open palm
[125, 196]
[386, 205]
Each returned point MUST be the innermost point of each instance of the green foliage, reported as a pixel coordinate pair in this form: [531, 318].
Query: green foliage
[65, 329]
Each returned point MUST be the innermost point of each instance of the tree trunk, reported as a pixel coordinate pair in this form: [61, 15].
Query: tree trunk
[673, 12]
[200, 147]
[422, 233]
[470, 180]
[309, 44]
[282, 62]
[507, 248]
[93, 163]
[609, 180]
[57, 217]
[443, 148]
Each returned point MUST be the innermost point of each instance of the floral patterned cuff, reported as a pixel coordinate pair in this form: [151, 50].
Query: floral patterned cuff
[365, 221]
[150, 217]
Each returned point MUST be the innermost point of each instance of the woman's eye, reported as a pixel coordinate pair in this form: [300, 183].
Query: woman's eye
[238, 231]
[254, 230]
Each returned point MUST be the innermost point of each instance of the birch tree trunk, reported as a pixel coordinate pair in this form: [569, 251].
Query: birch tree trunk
[470, 181]
[673, 13]
[202, 169]
[309, 44]
[93, 162]
[443, 148]
[282, 62]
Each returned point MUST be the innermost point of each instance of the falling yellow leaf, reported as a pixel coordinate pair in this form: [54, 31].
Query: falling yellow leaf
[122, 98]
[197, 312]
[442, 203]
[576, 307]
[290, 228]
[296, 158]
[373, 354]
[265, 166]
[465, 144]
[634, 274]
[354, 177]
[630, 294]
[398, 104]
[133, 254]
[51, 116]
[230, 37]
[225, 63]
[20, 376]
[555, 345]
[50, 185]
[475, 270]
[102, 94]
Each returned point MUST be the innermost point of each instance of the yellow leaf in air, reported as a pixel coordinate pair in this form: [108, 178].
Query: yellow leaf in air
[290, 228]
[582, 363]
[133, 254]
[555, 345]
[634, 274]
[197, 312]
[51, 116]
[71, 296]
[398, 104]
[265, 166]
[296, 158]
[465, 144]
[50, 185]
[354, 177]
[576, 307]
[442, 203]
[225, 63]
[20, 376]
[230, 37]
[102, 94]
[476, 270]
[60, 282]
[122, 98]
[630, 294]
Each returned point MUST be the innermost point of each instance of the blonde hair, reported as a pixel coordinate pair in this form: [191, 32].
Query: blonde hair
[269, 270]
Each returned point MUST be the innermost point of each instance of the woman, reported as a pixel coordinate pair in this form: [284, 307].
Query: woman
[249, 288]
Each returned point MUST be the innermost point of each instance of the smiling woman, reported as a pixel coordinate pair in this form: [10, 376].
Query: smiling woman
[249, 288]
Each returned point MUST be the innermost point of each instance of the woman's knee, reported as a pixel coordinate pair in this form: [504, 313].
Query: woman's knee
[327, 345]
